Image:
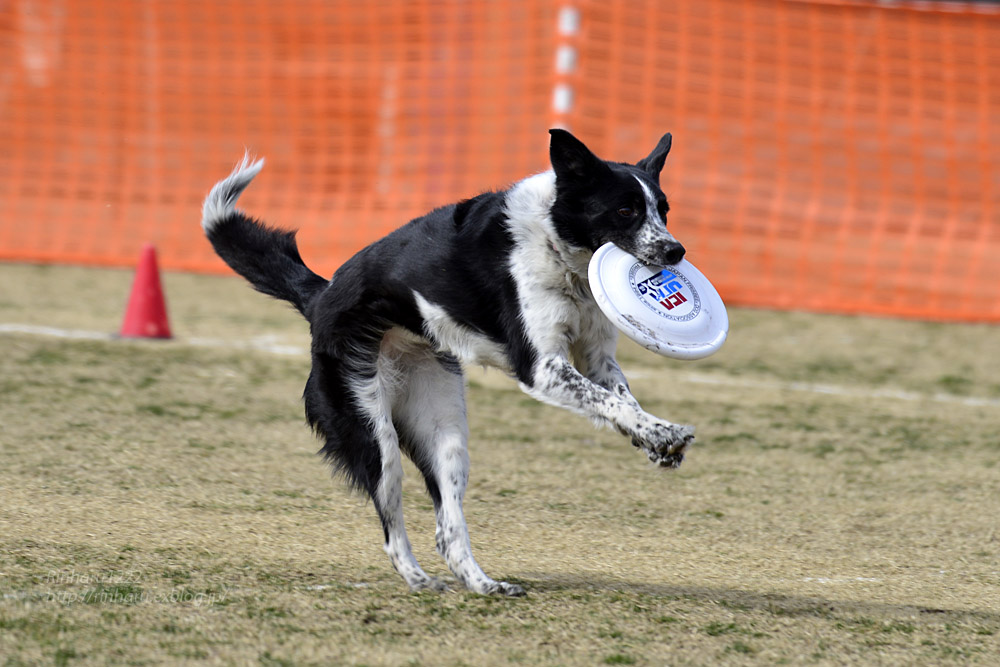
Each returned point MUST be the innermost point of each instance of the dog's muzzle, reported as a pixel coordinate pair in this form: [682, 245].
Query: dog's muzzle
[672, 254]
[665, 253]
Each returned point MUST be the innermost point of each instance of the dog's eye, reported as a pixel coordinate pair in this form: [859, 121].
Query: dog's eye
[626, 211]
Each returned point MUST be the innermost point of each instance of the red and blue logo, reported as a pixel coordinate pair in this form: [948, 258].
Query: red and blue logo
[667, 293]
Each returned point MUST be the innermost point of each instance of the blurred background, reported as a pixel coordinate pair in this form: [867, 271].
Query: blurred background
[828, 156]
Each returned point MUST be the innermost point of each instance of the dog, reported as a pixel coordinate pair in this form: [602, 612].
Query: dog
[497, 280]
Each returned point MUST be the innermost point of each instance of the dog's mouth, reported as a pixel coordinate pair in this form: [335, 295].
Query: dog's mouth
[666, 254]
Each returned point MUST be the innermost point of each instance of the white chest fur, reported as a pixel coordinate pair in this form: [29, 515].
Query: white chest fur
[557, 306]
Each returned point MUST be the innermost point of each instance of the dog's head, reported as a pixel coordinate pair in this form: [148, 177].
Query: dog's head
[599, 201]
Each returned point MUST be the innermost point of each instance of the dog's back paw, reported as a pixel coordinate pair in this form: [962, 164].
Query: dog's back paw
[430, 584]
[504, 588]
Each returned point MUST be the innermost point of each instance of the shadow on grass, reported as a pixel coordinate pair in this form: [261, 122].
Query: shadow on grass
[777, 604]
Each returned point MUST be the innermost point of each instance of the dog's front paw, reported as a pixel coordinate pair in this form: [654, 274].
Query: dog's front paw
[664, 443]
[666, 438]
[670, 460]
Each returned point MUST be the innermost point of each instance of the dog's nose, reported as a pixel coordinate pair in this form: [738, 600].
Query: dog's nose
[674, 253]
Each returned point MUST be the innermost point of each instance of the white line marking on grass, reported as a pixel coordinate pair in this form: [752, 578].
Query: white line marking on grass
[270, 344]
[261, 343]
[52, 331]
[836, 390]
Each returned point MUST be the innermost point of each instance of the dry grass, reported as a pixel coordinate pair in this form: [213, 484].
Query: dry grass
[163, 501]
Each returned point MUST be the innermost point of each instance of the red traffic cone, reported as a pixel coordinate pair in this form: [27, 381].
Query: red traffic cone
[146, 313]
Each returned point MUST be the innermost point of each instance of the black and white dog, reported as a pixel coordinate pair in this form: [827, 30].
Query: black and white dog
[499, 280]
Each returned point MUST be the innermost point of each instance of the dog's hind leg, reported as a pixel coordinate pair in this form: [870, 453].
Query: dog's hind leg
[363, 443]
[430, 417]
[376, 398]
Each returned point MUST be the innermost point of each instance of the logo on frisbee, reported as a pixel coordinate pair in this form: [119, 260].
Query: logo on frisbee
[667, 293]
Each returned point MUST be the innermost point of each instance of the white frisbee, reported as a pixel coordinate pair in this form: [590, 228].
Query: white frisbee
[674, 310]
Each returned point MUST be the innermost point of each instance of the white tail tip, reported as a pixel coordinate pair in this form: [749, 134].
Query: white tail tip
[221, 201]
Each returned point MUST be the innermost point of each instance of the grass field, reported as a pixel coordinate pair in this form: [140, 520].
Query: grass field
[163, 501]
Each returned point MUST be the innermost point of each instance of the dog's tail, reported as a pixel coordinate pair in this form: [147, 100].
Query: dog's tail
[267, 257]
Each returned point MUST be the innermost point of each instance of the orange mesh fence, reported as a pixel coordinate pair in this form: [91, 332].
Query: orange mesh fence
[838, 158]
[117, 117]
[827, 156]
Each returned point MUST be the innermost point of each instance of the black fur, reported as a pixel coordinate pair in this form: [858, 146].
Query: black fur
[267, 257]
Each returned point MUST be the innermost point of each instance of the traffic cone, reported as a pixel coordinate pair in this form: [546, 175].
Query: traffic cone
[146, 313]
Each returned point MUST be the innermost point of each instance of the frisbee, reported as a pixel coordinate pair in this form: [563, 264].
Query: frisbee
[672, 310]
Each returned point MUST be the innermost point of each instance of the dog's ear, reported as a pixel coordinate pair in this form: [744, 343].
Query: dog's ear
[572, 160]
[653, 164]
